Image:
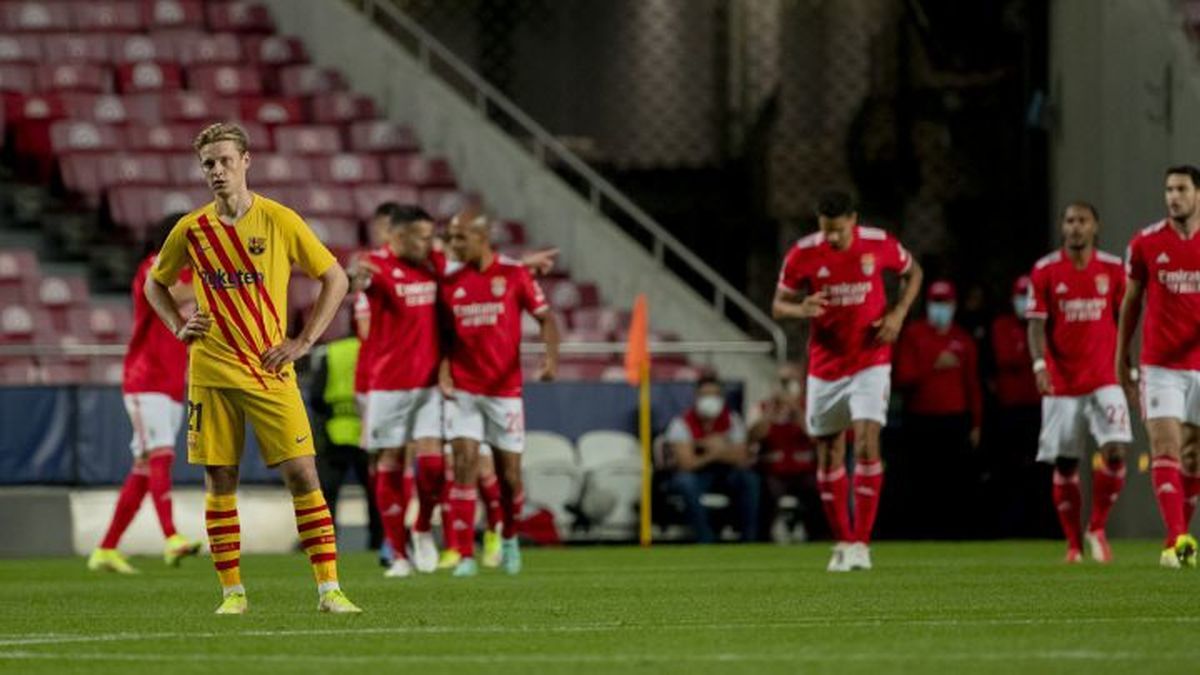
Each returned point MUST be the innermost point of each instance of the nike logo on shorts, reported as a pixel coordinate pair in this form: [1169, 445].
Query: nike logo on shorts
[301, 439]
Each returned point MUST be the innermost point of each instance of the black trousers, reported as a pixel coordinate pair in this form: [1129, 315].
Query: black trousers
[1018, 487]
[333, 461]
[932, 487]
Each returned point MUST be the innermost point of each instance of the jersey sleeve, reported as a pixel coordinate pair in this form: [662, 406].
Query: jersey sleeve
[791, 277]
[304, 249]
[172, 257]
[530, 294]
[1135, 261]
[896, 258]
[1038, 307]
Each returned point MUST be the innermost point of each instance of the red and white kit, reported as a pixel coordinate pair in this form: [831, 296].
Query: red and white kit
[849, 369]
[485, 307]
[1080, 307]
[155, 372]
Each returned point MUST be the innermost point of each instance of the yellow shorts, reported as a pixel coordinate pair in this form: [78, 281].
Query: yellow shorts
[217, 417]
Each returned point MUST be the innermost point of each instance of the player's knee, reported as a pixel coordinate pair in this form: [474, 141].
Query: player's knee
[1114, 453]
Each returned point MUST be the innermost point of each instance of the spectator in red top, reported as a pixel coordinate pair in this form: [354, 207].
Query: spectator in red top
[787, 461]
[938, 373]
[707, 450]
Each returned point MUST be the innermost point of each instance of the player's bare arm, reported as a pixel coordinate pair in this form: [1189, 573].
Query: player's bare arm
[360, 271]
[550, 336]
[445, 379]
[333, 289]
[1131, 313]
[165, 306]
[1037, 353]
[889, 324]
[540, 262]
[789, 304]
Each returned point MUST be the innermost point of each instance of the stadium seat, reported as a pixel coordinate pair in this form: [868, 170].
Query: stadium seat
[167, 138]
[612, 466]
[71, 136]
[551, 474]
[19, 48]
[566, 295]
[318, 200]
[442, 203]
[587, 336]
[112, 16]
[110, 371]
[309, 80]
[241, 17]
[19, 371]
[368, 197]
[16, 78]
[135, 78]
[139, 208]
[336, 233]
[273, 110]
[57, 292]
[673, 372]
[35, 16]
[272, 169]
[64, 373]
[302, 293]
[64, 77]
[308, 139]
[381, 137]
[19, 276]
[544, 446]
[186, 106]
[101, 108]
[225, 80]
[421, 171]
[76, 48]
[134, 169]
[173, 14]
[607, 319]
[597, 448]
[183, 168]
[106, 324]
[138, 47]
[24, 324]
[347, 169]
[508, 233]
[274, 50]
[210, 49]
[340, 107]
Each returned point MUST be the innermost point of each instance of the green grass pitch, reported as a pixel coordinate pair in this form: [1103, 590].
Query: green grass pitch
[995, 607]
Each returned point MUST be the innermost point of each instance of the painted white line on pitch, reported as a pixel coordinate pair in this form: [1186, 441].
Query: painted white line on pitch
[30, 639]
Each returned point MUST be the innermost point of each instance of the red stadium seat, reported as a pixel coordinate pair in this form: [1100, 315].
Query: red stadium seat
[442, 203]
[578, 372]
[308, 139]
[336, 233]
[81, 175]
[65, 373]
[17, 48]
[274, 50]
[172, 138]
[33, 108]
[134, 169]
[273, 110]
[111, 15]
[381, 136]
[103, 108]
[209, 49]
[241, 17]
[136, 78]
[68, 136]
[317, 201]
[415, 169]
[138, 47]
[184, 169]
[309, 80]
[173, 13]
[339, 107]
[19, 276]
[63, 291]
[367, 198]
[19, 371]
[74, 77]
[508, 233]
[348, 169]
[226, 80]
[189, 106]
[76, 48]
[106, 323]
[271, 169]
[16, 78]
[139, 208]
[35, 15]
[567, 295]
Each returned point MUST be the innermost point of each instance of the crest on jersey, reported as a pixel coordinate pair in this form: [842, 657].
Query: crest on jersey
[868, 264]
[499, 285]
[1102, 284]
[257, 245]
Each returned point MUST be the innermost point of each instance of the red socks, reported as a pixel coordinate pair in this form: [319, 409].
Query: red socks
[389, 487]
[1068, 502]
[1191, 495]
[489, 489]
[1168, 490]
[513, 505]
[1107, 481]
[431, 476]
[409, 485]
[868, 486]
[462, 518]
[160, 490]
[127, 507]
[835, 491]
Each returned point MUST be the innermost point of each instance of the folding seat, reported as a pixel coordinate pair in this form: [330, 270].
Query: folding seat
[168, 138]
[58, 295]
[308, 80]
[442, 203]
[76, 48]
[108, 15]
[80, 172]
[16, 78]
[381, 136]
[240, 17]
[66, 136]
[419, 170]
[19, 276]
[101, 108]
[274, 50]
[134, 169]
[138, 208]
[105, 324]
[367, 198]
[136, 78]
[340, 107]
[607, 319]
[63, 77]
[19, 371]
[673, 372]
[107, 370]
[273, 110]
[225, 80]
[173, 13]
[507, 233]
[59, 373]
[205, 49]
[347, 169]
[35, 16]
[24, 324]
[19, 48]
[562, 294]
[551, 474]
[190, 106]
[336, 233]
[183, 169]
[612, 468]
[308, 139]
[139, 47]
[274, 169]
[321, 200]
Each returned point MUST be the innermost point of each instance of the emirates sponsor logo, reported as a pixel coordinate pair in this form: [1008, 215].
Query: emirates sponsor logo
[1180, 281]
[847, 294]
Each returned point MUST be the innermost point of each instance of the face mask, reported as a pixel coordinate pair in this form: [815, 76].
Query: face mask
[709, 407]
[790, 387]
[940, 314]
[1020, 304]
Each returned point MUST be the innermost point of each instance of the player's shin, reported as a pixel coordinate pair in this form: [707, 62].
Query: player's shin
[389, 498]
[462, 523]
[868, 488]
[128, 501]
[314, 523]
[1068, 503]
[160, 489]
[1168, 491]
[834, 488]
[224, 540]
[1107, 481]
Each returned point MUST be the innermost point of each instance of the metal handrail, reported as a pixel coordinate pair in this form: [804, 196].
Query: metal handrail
[598, 187]
[655, 347]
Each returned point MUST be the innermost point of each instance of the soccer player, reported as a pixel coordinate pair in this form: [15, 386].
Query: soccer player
[242, 247]
[1074, 300]
[155, 366]
[1163, 266]
[834, 279]
[485, 298]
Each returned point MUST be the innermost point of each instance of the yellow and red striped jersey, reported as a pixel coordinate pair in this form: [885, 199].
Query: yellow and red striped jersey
[241, 274]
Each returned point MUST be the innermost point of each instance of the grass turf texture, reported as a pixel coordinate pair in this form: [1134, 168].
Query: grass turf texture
[994, 607]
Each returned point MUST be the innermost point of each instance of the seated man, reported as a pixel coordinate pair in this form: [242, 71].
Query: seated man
[706, 450]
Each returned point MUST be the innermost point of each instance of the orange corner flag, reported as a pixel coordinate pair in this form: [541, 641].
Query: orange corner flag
[637, 353]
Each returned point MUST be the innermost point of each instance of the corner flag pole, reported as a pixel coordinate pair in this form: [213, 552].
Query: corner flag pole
[637, 373]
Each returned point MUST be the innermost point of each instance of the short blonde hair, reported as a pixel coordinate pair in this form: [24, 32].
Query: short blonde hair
[222, 131]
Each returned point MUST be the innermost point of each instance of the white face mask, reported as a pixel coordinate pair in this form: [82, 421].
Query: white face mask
[940, 314]
[791, 387]
[1020, 304]
[709, 406]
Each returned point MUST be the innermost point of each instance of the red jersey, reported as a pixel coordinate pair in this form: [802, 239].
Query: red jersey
[842, 341]
[1169, 267]
[1080, 307]
[1015, 383]
[405, 352]
[362, 367]
[939, 391]
[485, 307]
[156, 361]
[787, 449]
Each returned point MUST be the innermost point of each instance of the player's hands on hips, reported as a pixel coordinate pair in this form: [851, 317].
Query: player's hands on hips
[1043, 382]
[360, 272]
[548, 371]
[275, 358]
[889, 326]
[540, 262]
[813, 305]
[196, 326]
[946, 360]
